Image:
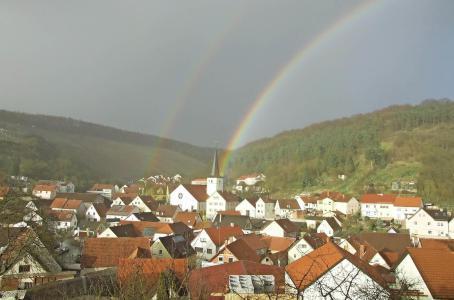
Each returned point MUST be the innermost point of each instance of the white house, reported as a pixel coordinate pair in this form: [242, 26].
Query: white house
[189, 197]
[257, 207]
[429, 223]
[287, 208]
[378, 206]
[429, 271]
[143, 203]
[247, 207]
[106, 190]
[220, 201]
[281, 228]
[305, 245]
[47, 192]
[307, 202]
[329, 226]
[330, 268]
[208, 242]
[92, 214]
[405, 207]
[62, 220]
[250, 182]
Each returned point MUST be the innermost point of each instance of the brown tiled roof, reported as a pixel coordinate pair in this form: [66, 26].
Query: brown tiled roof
[101, 208]
[221, 234]
[106, 252]
[165, 228]
[45, 187]
[63, 203]
[278, 244]
[229, 197]
[288, 204]
[229, 213]
[254, 241]
[84, 197]
[199, 192]
[215, 279]
[333, 224]
[150, 268]
[378, 198]
[188, 218]
[59, 215]
[125, 230]
[287, 225]
[166, 211]
[242, 251]
[336, 196]
[146, 216]
[316, 240]
[408, 201]
[203, 225]
[435, 267]
[396, 242]
[121, 210]
[437, 244]
[312, 266]
[309, 199]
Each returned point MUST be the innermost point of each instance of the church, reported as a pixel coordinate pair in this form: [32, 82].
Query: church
[207, 199]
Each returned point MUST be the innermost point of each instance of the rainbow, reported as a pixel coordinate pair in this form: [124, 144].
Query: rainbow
[192, 82]
[287, 69]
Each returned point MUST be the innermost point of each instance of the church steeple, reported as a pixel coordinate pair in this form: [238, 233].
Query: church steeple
[215, 182]
[215, 168]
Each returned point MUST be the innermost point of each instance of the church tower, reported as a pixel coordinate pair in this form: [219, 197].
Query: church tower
[215, 183]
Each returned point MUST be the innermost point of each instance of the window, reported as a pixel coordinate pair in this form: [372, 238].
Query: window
[24, 268]
[198, 249]
[428, 223]
[220, 258]
[160, 252]
[209, 251]
[230, 259]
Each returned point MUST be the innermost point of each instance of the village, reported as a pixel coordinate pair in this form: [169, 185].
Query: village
[205, 241]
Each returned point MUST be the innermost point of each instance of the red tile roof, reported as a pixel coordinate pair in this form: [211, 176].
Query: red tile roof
[378, 198]
[106, 252]
[65, 216]
[436, 268]
[203, 282]
[437, 244]
[288, 204]
[102, 186]
[45, 188]
[408, 202]
[287, 225]
[188, 218]
[63, 203]
[222, 234]
[278, 244]
[336, 196]
[199, 192]
[229, 213]
[309, 268]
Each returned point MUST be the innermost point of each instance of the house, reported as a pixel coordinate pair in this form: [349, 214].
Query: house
[281, 228]
[215, 280]
[276, 244]
[287, 208]
[143, 216]
[306, 245]
[85, 197]
[24, 259]
[172, 246]
[379, 248]
[335, 201]
[105, 190]
[430, 223]
[120, 212]
[124, 230]
[307, 202]
[143, 203]
[166, 213]
[257, 207]
[329, 226]
[242, 249]
[4, 190]
[61, 186]
[330, 270]
[63, 204]
[62, 220]
[429, 271]
[191, 219]
[155, 230]
[378, 206]
[405, 207]
[244, 222]
[47, 192]
[251, 183]
[220, 201]
[95, 212]
[208, 242]
[101, 253]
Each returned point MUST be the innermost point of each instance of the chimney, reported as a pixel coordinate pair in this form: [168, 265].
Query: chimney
[362, 251]
[232, 224]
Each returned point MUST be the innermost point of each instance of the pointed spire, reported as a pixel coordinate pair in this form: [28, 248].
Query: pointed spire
[215, 168]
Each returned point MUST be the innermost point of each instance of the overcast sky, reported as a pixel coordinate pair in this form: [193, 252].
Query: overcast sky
[190, 70]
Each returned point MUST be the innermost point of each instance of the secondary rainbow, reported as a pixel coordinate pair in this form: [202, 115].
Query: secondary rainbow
[286, 70]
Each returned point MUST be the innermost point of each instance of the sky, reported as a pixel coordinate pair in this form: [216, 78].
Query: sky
[192, 70]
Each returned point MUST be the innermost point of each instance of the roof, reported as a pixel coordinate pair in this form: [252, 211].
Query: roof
[177, 246]
[188, 218]
[106, 252]
[312, 266]
[230, 197]
[287, 225]
[316, 240]
[378, 198]
[254, 241]
[123, 210]
[173, 228]
[215, 279]
[309, 199]
[408, 201]
[101, 209]
[45, 187]
[63, 203]
[65, 216]
[229, 213]
[215, 167]
[199, 192]
[146, 216]
[166, 210]
[336, 196]
[288, 204]
[437, 244]
[253, 175]
[243, 251]
[278, 244]
[438, 215]
[124, 230]
[221, 234]
[396, 242]
[228, 220]
[150, 268]
[435, 267]
[333, 224]
[84, 197]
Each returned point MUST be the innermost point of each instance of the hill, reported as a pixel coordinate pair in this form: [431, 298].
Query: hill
[399, 143]
[46, 147]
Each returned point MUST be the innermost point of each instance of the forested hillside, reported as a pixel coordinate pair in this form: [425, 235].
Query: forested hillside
[44, 147]
[373, 150]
